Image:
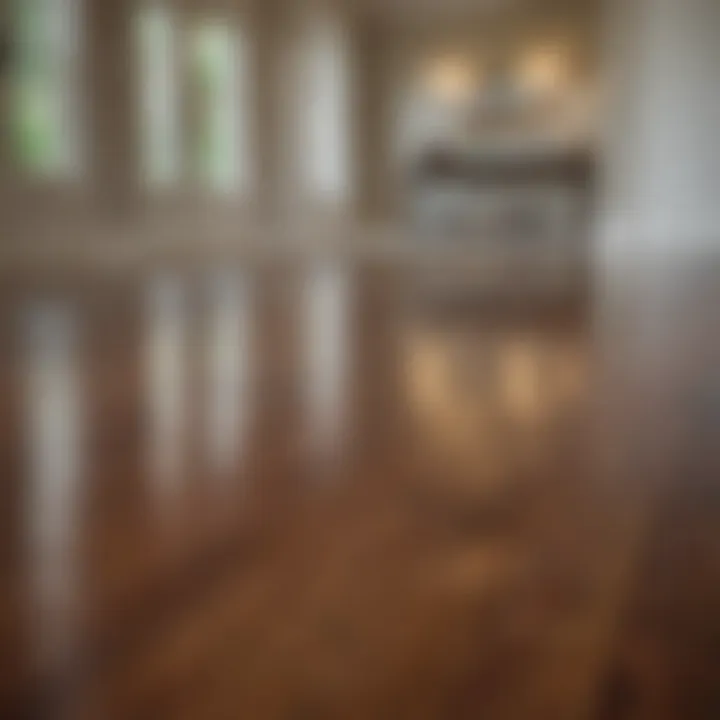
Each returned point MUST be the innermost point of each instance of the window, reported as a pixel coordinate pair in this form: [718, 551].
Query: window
[44, 121]
[192, 91]
[213, 84]
[324, 109]
[158, 101]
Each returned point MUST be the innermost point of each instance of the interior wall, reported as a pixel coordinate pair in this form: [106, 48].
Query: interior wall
[662, 156]
[374, 89]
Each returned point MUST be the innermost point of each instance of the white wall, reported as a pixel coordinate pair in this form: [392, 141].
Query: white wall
[662, 174]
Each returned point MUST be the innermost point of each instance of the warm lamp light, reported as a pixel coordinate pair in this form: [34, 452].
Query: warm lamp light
[452, 80]
[543, 70]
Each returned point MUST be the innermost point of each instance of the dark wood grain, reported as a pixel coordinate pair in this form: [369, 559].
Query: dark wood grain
[279, 490]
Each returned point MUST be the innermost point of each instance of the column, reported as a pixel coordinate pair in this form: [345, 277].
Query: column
[111, 101]
[6, 204]
[662, 149]
[267, 27]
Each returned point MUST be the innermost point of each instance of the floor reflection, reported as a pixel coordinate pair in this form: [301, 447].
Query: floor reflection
[55, 442]
[229, 372]
[521, 506]
[166, 376]
[521, 382]
[325, 334]
[475, 393]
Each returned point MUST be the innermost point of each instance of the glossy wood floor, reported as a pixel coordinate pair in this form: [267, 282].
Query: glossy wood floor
[316, 490]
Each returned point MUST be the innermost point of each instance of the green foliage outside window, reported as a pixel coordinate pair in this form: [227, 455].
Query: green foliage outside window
[38, 86]
[214, 97]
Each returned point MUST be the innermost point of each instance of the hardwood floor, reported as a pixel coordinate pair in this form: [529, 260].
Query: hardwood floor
[312, 490]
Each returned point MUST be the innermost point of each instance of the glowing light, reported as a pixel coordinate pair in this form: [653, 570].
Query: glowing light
[452, 79]
[544, 70]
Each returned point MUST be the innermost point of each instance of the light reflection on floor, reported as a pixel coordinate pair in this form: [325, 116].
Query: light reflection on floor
[326, 331]
[167, 388]
[507, 495]
[229, 371]
[482, 403]
[55, 444]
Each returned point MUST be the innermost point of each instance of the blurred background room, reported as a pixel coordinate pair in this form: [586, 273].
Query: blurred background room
[360, 359]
